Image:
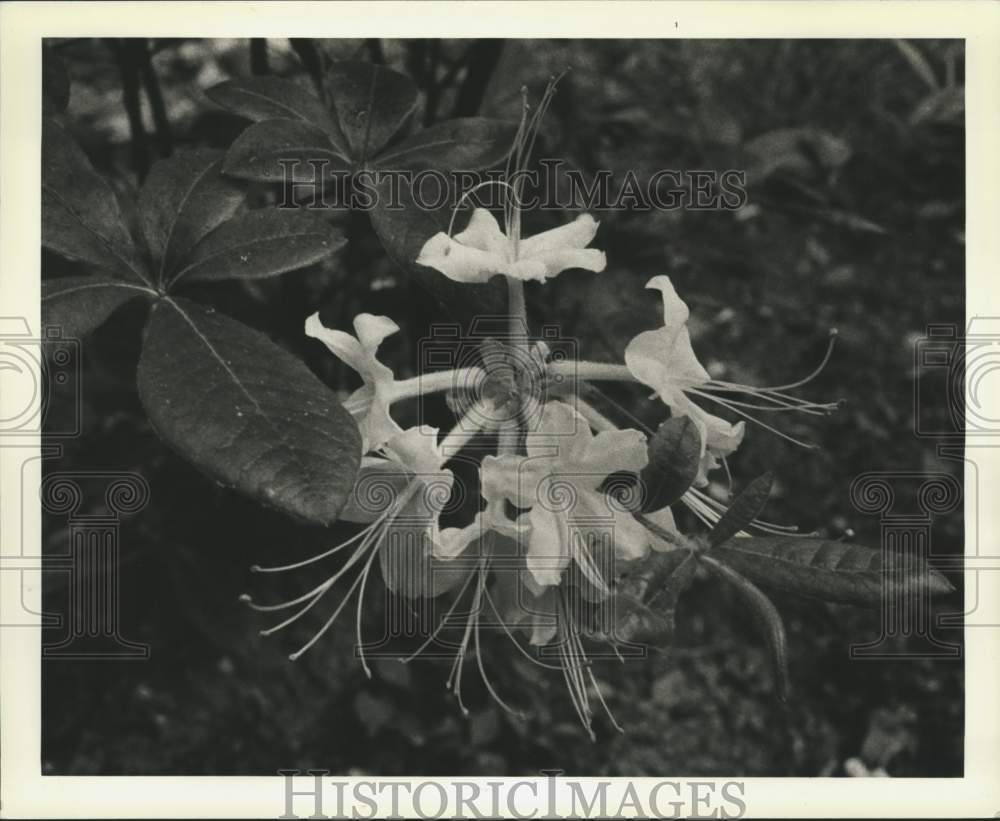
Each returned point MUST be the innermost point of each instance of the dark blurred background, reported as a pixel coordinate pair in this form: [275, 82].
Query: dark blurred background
[854, 152]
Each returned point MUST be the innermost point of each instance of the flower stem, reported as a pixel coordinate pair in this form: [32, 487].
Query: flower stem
[437, 381]
[509, 436]
[594, 371]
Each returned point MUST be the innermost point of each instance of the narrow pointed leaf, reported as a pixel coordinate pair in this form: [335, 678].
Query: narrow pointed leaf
[828, 570]
[674, 456]
[259, 244]
[272, 98]
[283, 151]
[78, 305]
[371, 103]
[184, 198]
[468, 143]
[81, 218]
[246, 411]
[766, 616]
[743, 510]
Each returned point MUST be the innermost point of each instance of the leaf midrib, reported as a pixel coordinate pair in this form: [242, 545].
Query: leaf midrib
[103, 240]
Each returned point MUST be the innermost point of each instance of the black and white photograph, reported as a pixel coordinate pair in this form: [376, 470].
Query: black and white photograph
[555, 411]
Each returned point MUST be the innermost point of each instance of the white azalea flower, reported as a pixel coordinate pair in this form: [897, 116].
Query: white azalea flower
[369, 404]
[559, 483]
[664, 360]
[482, 250]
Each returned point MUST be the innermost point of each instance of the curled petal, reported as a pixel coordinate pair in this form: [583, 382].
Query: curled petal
[483, 233]
[371, 330]
[576, 234]
[664, 360]
[720, 439]
[459, 262]
[675, 310]
[548, 264]
[341, 344]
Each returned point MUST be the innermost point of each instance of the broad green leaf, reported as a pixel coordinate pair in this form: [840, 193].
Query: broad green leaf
[767, 617]
[184, 198]
[80, 215]
[833, 571]
[674, 456]
[469, 144]
[259, 244]
[743, 510]
[272, 98]
[371, 103]
[277, 151]
[247, 412]
[78, 305]
[403, 232]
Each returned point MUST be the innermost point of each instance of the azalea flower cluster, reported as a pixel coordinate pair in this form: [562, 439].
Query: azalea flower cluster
[531, 552]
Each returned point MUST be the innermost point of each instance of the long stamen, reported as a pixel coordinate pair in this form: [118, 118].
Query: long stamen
[717, 508]
[778, 403]
[483, 567]
[455, 679]
[749, 418]
[514, 640]
[361, 599]
[574, 660]
[604, 704]
[316, 593]
[365, 532]
[441, 623]
[329, 622]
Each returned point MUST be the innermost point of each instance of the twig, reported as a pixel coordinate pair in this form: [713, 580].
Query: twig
[161, 121]
[259, 64]
[482, 63]
[129, 69]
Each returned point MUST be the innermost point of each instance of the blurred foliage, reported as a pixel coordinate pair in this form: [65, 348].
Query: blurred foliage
[855, 159]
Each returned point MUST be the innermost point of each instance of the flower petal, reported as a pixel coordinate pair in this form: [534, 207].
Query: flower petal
[548, 264]
[544, 618]
[613, 450]
[721, 439]
[548, 545]
[576, 234]
[664, 360]
[371, 330]
[483, 233]
[341, 344]
[417, 449]
[453, 541]
[675, 310]
[559, 430]
[461, 263]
